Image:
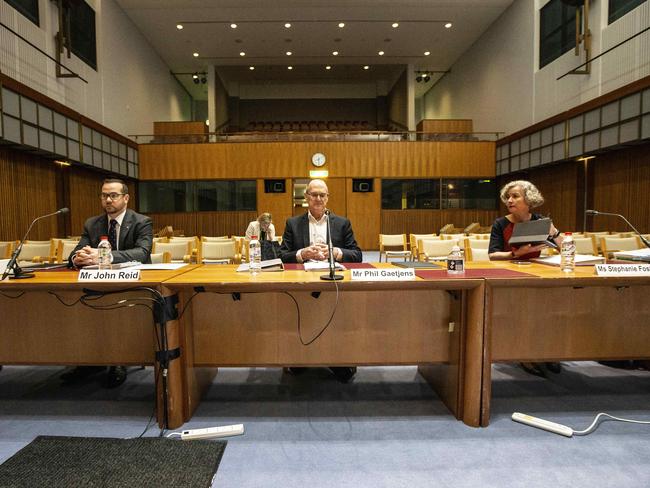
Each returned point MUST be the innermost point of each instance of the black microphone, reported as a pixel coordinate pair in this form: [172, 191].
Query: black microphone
[13, 262]
[331, 276]
[596, 212]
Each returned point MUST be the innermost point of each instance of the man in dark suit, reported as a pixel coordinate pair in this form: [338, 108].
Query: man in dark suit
[305, 238]
[130, 235]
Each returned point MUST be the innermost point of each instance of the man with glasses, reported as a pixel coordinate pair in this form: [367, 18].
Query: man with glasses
[131, 237]
[305, 239]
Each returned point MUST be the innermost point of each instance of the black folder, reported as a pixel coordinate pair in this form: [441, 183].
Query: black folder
[533, 232]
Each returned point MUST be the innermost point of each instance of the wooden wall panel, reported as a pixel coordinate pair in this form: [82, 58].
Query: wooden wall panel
[280, 205]
[179, 128]
[365, 214]
[445, 126]
[205, 223]
[293, 160]
[28, 189]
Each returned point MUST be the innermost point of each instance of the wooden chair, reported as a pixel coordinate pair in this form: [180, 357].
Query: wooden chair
[6, 248]
[455, 237]
[161, 257]
[214, 238]
[609, 244]
[393, 246]
[195, 243]
[471, 228]
[413, 241]
[477, 254]
[36, 252]
[598, 235]
[180, 251]
[64, 249]
[446, 229]
[220, 252]
[586, 245]
[435, 250]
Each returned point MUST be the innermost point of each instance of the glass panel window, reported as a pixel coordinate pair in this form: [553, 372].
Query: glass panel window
[29, 8]
[462, 193]
[618, 8]
[410, 194]
[82, 32]
[201, 196]
[557, 31]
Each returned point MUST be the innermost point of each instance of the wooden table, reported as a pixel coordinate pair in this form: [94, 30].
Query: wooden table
[555, 316]
[37, 328]
[234, 319]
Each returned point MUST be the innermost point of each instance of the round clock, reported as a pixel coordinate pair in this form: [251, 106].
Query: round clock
[318, 159]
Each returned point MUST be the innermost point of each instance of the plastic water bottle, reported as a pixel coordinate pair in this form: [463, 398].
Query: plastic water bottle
[105, 255]
[254, 256]
[568, 254]
[455, 262]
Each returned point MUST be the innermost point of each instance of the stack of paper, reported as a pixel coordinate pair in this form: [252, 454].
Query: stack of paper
[580, 260]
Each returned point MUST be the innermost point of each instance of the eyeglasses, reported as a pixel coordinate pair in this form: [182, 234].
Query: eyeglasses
[318, 195]
[112, 196]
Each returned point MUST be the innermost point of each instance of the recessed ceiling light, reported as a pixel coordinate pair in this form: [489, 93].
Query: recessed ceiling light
[448, 25]
[233, 26]
[179, 26]
[289, 53]
[426, 53]
[395, 25]
[328, 67]
[289, 67]
[366, 67]
[335, 53]
[196, 55]
[341, 25]
[381, 53]
[242, 53]
[287, 25]
[195, 76]
[251, 68]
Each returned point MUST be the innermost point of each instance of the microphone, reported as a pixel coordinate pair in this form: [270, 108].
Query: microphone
[596, 212]
[331, 276]
[13, 262]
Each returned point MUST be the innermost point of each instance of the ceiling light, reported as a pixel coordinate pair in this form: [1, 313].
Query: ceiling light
[328, 67]
[335, 53]
[395, 25]
[61, 162]
[289, 67]
[196, 55]
[289, 53]
[242, 53]
[287, 25]
[381, 53]
[426, 53]
[251, 68]
[233, 26]
[179, 26]
[366, 67]
[341, 25]
[447, 25]
[426, 78]
[195, 78]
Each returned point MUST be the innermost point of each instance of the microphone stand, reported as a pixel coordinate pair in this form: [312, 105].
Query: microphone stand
[596, 212]
[18, 273]
[330, 249]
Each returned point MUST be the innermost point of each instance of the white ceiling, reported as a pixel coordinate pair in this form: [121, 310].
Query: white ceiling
[312, 37]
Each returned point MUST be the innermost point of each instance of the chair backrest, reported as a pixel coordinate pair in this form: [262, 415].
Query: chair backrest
[470, 242]
[473, 227]
[65, 247]
[178, 249]
[430, 248]
[214, 238]
[413, 242]
[392, 241]
[6, 248]
[586, 245]
[220, 250]
[446, 229]
[476, 254]
[35, 249]
[457, 237]
[610, 244]
[161, 257]
[479, 236]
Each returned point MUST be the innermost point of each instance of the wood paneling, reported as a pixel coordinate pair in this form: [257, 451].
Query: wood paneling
[293, 160]
[446, 126]
[364, 211]
[278, 204]
[205, 223]
[28, 189]
[428, 221]
[179, 128]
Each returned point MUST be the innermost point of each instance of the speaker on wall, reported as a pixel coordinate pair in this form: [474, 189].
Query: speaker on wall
[362, 185]
[274, 186]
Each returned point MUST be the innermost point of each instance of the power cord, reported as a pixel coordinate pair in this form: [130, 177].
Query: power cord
[566, 430]
[595, 424]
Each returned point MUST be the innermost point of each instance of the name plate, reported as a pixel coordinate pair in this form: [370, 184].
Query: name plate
[623, 269]
[406, 274]
[109, 275]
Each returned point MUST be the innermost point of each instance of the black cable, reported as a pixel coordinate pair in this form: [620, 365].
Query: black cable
[187, 304]
[11, 296]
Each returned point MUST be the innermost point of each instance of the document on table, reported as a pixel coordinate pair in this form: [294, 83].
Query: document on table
[321, 265]
[160, 266]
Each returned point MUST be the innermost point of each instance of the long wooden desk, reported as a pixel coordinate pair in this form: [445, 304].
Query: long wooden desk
[37, 328]
[435, 324]
[555, 316]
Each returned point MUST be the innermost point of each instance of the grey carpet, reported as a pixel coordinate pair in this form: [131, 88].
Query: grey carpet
[106, 462]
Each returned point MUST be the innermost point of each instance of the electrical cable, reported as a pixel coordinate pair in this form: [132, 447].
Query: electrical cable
[11, 296]
[594, 425]
[171, 434]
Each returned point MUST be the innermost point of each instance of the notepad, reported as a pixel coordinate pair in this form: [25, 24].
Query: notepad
[267, 265]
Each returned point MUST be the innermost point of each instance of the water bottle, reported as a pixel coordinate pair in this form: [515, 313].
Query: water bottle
[568, 253]
[254, 256]
[105, 255]
[455, 262]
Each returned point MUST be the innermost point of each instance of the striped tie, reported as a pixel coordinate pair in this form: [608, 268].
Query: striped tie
[112, 234]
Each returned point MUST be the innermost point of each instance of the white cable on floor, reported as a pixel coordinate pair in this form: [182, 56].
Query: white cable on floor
[563, 429]
[593, 425]
[173, 433]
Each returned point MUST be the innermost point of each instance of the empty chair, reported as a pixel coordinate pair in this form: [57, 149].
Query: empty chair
[393, 246]
[446, 229]
[609, 244]
[36, 252]
[435, 250]
[214, 238]
[6, 248]
[180, 251]
[64, 249]
[457, 237]
[220, 252]
[476, 249]
[586, 245]
[413, 241]
[471, 228]
[161, 257]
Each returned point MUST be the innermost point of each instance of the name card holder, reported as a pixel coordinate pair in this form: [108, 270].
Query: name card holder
[406, 274]
[109, 275]
[623, 269]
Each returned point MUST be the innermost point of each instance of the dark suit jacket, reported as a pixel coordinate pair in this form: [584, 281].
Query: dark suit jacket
[136, 237]
[296, 236]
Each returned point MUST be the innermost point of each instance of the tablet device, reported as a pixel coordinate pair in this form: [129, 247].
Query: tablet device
[533, 232]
